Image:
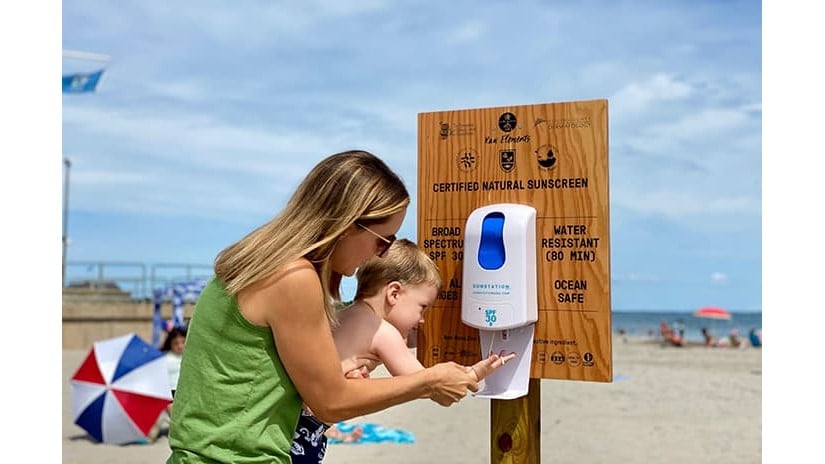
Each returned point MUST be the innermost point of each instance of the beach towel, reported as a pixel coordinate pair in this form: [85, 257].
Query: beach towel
[373, 433]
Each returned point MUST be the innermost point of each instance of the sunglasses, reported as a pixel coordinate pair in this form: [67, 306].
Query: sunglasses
[383, 242]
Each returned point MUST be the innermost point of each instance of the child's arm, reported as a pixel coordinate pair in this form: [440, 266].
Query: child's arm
[391, 348]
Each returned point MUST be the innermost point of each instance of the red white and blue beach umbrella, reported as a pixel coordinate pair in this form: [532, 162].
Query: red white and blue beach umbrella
[120, 390]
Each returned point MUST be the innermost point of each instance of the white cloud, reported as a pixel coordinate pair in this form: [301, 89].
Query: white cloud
[197, 140]
[468, 31]
[685, 206]
[635, 277]
[639, 96]
[105, 178]
[697, 126]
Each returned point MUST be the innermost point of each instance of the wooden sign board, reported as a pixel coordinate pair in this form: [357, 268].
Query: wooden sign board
[554, 157]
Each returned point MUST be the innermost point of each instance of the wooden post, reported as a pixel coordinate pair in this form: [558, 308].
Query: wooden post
[515, 428]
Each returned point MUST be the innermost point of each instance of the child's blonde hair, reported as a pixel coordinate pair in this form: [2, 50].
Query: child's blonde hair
[404, 263]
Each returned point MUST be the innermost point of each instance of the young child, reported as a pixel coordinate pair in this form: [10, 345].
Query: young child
[393, 293]
[172, 349]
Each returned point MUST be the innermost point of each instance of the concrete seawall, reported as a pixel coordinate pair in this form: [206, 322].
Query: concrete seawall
[93, 316]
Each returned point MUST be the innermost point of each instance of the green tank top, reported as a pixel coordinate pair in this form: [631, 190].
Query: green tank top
[234, 402]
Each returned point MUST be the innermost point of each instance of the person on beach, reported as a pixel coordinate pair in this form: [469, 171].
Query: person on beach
[260, 343]
[755, 338]
[679, 331]
[720, 342]
[709, 339]
[172, 349]
[735, 339]
[669, 336]
[392, 294]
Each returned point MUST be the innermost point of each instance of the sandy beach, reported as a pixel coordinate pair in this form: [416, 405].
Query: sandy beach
[676, 405]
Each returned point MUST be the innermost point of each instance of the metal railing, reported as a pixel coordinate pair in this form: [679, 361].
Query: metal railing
[136, 279]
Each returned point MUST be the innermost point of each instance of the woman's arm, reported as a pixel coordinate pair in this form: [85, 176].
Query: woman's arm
[291, 303]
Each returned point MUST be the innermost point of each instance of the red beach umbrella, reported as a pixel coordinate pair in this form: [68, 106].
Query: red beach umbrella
[713, 312]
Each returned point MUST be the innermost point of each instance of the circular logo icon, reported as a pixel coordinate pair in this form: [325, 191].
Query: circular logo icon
[574, 359]
[557, 357]
[467, 159]
[507, 122]
[546, 156]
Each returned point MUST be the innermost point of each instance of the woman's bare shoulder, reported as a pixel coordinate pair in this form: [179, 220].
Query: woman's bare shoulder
[300, 273]
[296, 284]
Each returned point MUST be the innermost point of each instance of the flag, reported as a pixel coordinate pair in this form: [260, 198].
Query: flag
[82, 82]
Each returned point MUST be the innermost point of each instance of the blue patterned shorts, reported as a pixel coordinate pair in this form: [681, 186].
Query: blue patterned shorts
[309, 444]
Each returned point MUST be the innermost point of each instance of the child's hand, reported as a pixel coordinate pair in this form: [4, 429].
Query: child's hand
[487, 366]
[358, 373]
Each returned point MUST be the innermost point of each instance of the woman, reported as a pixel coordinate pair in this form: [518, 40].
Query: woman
[260, 342]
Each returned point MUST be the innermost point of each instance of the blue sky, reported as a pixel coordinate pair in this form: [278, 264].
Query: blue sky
[212, 112]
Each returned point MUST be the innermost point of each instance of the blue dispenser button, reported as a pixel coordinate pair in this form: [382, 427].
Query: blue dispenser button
[491, 249]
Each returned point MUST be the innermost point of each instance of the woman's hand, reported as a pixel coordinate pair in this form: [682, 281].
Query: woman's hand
[450, 383]
[453, 381]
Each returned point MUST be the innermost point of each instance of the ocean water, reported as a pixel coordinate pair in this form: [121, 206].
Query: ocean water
[646, 323]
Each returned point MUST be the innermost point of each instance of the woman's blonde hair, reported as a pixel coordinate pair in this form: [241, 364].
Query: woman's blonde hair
[404, 263]
[343, 188]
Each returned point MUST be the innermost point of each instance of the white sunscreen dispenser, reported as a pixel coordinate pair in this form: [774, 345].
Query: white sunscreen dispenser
[499, 295]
